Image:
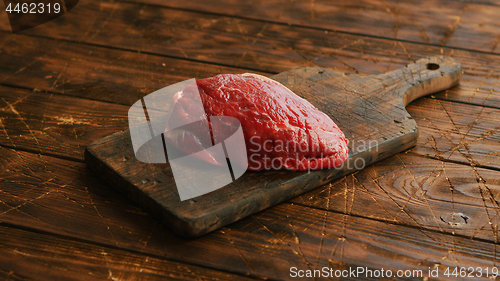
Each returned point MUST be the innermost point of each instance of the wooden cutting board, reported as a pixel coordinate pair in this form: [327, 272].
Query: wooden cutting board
[370, 110]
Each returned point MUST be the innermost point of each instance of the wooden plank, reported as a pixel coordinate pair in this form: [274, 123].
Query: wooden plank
[236, 42]
[469, 25]
[55, 124]
[92, 72]
[62, 197]
[35, 256]
[458, 132]
[420, 192]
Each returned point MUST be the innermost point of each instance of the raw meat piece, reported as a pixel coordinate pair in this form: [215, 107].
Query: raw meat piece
[281, 129]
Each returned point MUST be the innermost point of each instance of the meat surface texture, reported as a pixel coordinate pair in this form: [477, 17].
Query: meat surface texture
[281, 129]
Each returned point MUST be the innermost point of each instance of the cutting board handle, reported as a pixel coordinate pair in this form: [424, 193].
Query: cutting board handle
[425, 76]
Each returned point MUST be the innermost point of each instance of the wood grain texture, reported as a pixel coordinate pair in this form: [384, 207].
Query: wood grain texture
[94, 73]
[457, 132]
[64, 126]
[436, 138]
[369, 110]
[388, 214]
[222, 40]
[55, 124]
[459, 24]
[28, 256]
[64, 199]
[49, 121]
[419, 192]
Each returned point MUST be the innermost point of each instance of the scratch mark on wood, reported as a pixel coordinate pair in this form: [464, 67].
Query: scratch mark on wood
[265, 227]
[45, 112]
[482, 84]
[250, 45]
[340, 240]
[350, 67]
[401, 208]
[110, 14]
[325, 219]
[237, 249]
[375, 200]
[23, 120]
[110, 273]
[149, 235]
[495, 44]
[59, 77]
[297, 242]
[483, 189]
[101, 216]
[349, 45]
[25, 164]
[19, 100]
[455, 25]
[422, 30]
[395, 14]
[353, 192]
[406, 51]
[25, 202]
[5, 131]
[436, 220]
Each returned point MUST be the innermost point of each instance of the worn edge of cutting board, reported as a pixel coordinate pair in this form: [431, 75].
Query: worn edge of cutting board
[360, 105]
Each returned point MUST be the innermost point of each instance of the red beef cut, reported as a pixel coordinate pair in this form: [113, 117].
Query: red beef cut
[281, 129]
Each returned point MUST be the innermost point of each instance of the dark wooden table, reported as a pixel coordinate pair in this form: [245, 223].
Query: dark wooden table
[71, 81]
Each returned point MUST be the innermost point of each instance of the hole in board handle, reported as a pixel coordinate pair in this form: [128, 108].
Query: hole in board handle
[432, 66]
